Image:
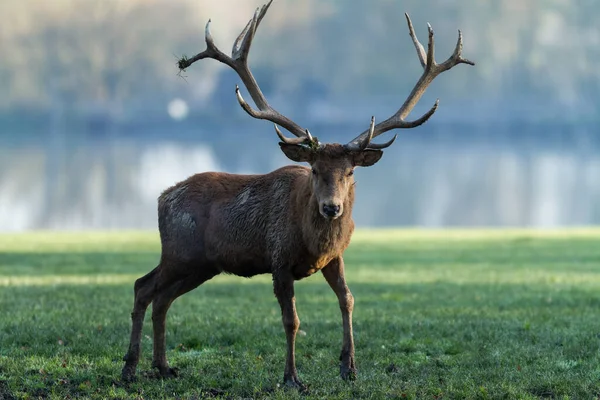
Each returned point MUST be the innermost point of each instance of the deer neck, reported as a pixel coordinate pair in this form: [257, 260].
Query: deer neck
[321, 236]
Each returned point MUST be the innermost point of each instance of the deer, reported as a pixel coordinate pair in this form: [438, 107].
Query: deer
[290, 223]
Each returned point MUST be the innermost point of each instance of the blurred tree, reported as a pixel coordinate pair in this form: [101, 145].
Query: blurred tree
[93, 53]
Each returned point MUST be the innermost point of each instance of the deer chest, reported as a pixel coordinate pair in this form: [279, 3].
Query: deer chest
[310, 266]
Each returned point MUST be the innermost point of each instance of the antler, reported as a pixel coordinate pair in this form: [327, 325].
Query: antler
[239, 63]
[431, 70]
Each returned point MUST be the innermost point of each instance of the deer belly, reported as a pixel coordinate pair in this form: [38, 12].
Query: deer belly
[245, 269]
[301, 273]
[240, 262]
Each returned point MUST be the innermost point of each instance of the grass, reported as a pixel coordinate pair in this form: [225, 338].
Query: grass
[438, 314]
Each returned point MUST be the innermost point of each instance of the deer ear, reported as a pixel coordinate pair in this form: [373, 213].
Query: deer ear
[366, 158]
[297, 152]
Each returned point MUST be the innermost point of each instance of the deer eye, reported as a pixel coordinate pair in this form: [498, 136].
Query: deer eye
[314, 172]
[351, 172]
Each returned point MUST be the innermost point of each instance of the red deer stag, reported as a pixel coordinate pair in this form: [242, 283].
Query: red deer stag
[290, 223]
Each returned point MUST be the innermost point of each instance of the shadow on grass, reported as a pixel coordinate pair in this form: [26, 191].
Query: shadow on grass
[80, 263]
[5, 393]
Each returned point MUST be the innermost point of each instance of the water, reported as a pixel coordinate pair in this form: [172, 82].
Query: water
[535, 175]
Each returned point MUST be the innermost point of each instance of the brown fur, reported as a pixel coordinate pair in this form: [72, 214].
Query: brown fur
[254, 224]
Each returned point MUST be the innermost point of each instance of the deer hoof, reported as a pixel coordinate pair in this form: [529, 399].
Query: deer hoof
[168, 373]
[293, 382]
[348, 373]
[128, 373]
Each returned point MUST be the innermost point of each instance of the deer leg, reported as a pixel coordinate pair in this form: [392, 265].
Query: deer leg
[334, 275]
[143, 293]
[160, 306]
[284, 291]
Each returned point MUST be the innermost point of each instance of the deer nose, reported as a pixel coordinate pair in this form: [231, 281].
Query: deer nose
[331, 210]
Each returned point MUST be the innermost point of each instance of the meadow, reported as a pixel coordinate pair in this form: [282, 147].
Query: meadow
[448, 314]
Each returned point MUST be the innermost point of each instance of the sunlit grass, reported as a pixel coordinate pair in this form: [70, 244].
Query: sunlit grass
[91, 241]
[452, 314]
[139, 241]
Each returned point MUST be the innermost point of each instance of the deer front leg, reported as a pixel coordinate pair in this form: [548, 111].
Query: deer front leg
[334, 274]
[283, 285]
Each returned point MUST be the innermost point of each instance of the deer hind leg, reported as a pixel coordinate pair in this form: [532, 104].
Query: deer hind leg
[144, 290]
[160, 305]
[334, 275]
[284, 291]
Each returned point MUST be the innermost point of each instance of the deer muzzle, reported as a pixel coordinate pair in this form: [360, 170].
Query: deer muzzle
[331, 210]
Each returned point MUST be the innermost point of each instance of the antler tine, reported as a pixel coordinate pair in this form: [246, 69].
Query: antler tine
[239, 63]
[430, 46]
[210, 43]
[431, 70]
[298, 140]
[364, 142]
[381, 146]
[241, 46]
[244, 105]
[418, 46]
[456, 57]
[308, 139]
[244, 40]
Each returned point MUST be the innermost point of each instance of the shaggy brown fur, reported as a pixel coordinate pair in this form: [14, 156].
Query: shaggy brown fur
[254, 224]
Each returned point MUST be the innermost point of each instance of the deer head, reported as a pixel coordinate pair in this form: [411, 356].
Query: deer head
[332, 164]
[332, 167]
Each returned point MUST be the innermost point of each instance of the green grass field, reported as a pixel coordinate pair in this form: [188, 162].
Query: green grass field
[438, 314]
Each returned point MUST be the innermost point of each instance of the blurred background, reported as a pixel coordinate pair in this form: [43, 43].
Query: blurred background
[95, 121]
